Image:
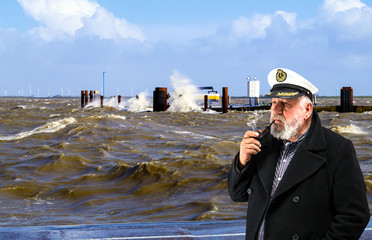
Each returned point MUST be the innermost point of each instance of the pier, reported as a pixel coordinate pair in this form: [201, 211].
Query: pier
[161, 96]
[214, 230]
[356, 109]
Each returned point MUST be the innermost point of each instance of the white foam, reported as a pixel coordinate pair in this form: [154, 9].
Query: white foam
[108, 102]
[140, 103]
[95, 103]
[20, 107]
[113, 116]
[348, 129]
[193, 134]
[49, 127]
[210, 111]
[185, 96]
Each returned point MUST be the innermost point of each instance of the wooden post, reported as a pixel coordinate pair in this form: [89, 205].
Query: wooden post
[82, 98]
[205, 102]
[225, 99]
[119, 99]
[101, 101]
[91, 96]
[160, 97]
[346, 99]
[86, 97]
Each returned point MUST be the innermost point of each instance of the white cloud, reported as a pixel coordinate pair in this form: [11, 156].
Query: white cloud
[65, 18]
[347, 19]
[257, 26]
[340, 20]
[289, 18]
[251, 28]
[337, 38]
[332, 7]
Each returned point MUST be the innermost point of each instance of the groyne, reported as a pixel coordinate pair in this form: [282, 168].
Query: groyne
[161, 96]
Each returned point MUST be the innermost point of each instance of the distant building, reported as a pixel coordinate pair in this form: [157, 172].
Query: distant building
[253, 90]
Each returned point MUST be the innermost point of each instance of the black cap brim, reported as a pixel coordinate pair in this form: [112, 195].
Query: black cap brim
[288, 91]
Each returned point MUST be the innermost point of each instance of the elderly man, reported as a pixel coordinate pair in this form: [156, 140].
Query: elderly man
[302, 181]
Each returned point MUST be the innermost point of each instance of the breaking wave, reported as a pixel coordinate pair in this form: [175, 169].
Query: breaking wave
[352, 129]
[49, 127]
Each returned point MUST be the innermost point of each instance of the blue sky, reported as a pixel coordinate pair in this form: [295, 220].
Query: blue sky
[50, 47]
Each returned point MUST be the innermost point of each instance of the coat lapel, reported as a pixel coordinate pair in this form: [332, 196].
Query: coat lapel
[307, 159]
[266, 164]
[302, 166]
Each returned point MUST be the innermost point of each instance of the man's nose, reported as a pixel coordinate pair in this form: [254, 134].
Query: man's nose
[278, 107]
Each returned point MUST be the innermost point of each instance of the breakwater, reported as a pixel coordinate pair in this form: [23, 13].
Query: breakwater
[160, 101]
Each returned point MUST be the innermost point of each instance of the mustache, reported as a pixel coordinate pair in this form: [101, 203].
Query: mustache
[279, 117]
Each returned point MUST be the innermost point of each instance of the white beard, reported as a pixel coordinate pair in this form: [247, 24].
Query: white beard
[291, 128]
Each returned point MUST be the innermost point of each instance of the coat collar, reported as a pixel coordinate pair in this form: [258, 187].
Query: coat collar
[305, 162]
[315, 141]
[307, 159]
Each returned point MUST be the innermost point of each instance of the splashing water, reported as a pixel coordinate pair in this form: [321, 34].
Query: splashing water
[139, 103]
[110, 102]
[185, 96]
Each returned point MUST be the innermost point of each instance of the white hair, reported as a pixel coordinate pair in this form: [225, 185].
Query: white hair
[304, 100]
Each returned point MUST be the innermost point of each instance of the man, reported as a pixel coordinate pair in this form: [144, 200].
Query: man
[302, 181]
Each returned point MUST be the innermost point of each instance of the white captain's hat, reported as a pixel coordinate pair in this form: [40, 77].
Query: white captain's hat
[286, 83]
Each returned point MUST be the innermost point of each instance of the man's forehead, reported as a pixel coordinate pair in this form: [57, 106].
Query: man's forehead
[291, 100]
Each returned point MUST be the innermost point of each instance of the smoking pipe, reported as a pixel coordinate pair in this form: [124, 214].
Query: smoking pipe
[264, 132]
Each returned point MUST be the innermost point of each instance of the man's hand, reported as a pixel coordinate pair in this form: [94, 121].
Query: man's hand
[248, 147]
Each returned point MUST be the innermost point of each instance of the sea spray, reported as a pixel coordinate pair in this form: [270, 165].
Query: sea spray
[140, 103]
[185, 96]
[108, 102]
[111, 102]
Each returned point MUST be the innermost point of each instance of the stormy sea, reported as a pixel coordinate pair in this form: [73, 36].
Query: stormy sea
[61, 164]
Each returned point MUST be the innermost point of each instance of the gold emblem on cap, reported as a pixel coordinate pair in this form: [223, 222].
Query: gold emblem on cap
[287, 94]
[281, 76]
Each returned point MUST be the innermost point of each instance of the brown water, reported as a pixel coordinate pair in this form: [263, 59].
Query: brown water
[61, 164]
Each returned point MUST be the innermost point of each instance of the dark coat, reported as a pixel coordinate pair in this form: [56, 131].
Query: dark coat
[322, 195]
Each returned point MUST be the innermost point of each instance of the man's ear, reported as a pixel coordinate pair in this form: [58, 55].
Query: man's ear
[308, 110]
